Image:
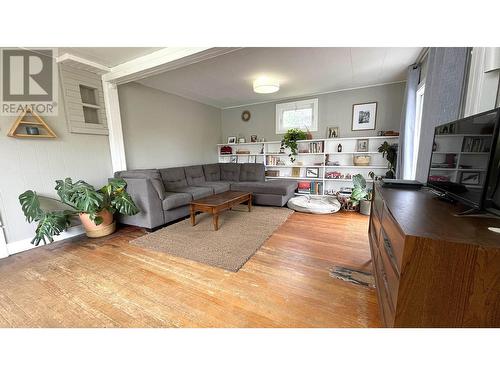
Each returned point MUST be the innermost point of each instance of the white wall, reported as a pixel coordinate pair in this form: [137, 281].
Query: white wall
[36, 163]
[335, 109]
[165, 130]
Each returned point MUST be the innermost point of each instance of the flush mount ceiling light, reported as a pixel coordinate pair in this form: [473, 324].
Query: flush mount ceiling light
[265, 85]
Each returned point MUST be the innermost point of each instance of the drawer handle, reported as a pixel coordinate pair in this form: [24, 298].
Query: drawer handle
[388, 249]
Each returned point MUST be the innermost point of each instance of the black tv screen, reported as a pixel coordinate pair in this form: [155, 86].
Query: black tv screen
[463, 155]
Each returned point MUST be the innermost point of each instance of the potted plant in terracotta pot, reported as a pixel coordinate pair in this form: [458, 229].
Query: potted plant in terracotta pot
[95, 208]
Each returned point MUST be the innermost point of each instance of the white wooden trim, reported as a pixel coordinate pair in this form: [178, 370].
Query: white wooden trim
[90, 65]
[3, 243]
[116, 144]
[23, 245]
[161, 61]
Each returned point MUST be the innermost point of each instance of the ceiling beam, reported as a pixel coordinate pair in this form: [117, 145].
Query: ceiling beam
[161, 61]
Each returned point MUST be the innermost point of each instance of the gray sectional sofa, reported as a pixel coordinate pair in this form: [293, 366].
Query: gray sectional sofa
[163, 195]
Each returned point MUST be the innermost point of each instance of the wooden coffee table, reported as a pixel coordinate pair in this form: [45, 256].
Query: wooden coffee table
[217, 203]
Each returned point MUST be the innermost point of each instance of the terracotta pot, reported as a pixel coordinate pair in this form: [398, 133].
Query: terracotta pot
[309, 135]
[107, 226]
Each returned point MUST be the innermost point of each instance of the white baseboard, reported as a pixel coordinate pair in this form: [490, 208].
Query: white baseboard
[23, 245]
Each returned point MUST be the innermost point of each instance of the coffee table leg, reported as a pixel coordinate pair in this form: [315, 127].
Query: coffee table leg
[193, 216]
[249, 204]
[215, 219]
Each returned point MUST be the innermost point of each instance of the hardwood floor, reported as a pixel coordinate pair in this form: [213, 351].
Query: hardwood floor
[109, 283]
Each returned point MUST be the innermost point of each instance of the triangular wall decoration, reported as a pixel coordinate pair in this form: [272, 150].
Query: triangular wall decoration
[35, 121]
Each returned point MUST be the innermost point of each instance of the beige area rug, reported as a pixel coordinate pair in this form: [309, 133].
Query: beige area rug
[240, 235]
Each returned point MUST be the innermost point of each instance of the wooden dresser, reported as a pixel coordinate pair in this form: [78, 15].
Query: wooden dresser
[432, 268]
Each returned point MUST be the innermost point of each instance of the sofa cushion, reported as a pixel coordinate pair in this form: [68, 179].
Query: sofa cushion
[196, 192]
[229, 171]
[252, 172]
[217, 186]
[278, 187]
[174, 200]
[152, 174]
[194, 175]
[173, 178]
[212, 172]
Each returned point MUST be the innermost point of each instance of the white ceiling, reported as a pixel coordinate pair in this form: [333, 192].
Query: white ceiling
[108, 56]
[226, 81]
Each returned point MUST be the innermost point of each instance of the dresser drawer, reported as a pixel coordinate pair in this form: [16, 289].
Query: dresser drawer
[391, 240]
[386, 307]
[390, 277]
[377, 204]
[375, 228]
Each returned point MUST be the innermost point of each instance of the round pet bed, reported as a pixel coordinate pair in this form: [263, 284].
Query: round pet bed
[314, 205]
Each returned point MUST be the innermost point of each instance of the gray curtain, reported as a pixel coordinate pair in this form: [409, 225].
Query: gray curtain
[444, 93]
[407, 128]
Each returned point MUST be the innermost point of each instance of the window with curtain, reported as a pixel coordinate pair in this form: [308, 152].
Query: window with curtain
[418, 122]
[302, 114]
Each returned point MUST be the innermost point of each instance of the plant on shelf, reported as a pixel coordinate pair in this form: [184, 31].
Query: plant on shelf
[290, 140]
[390, 152]
[94, 207]
[361, 195]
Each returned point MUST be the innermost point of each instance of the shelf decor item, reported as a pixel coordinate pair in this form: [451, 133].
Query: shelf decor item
[290, 140]
[231, 140]
[362, 145]
[364, 116]
[312, 172]
[390, 152]
[332, 132]
[361, 160]
[94, 207]
[33, 123]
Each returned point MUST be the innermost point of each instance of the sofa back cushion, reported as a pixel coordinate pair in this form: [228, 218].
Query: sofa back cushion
[212, 172]
[195, 175]
[229, 171]
[173, 178]
[152, 174]
[252, 172]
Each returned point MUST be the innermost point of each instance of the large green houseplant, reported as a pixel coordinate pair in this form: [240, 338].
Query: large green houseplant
[94, 207]
[290, 140]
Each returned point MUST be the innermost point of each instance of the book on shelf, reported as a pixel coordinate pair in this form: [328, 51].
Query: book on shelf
[311, 147]
[310, 187]
[471, 144]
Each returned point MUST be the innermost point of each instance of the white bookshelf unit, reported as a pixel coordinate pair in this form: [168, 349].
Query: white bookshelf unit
[280, 165]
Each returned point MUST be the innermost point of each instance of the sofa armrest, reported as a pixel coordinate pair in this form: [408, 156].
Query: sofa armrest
[147, 199]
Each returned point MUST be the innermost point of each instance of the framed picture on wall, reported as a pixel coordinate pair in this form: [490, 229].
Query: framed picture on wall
[364, 116]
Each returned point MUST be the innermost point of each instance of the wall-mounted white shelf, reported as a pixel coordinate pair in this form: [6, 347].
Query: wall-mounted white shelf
[349, 144]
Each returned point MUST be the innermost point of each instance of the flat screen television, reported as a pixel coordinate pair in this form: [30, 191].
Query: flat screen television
[465, 161]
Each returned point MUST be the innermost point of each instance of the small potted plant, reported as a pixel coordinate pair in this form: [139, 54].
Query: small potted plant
[290, 140]
[361, 195]
[95, 208]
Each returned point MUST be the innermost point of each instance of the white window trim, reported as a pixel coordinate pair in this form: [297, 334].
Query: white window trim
[293, 105]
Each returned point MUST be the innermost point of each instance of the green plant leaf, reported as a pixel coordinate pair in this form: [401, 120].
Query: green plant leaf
[124, 204]
[30, 206]
[50, 224]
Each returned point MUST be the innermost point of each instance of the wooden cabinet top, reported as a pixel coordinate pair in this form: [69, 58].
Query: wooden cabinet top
[420, 214]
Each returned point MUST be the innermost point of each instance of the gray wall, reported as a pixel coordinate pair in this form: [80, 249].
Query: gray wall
[335, 109]
[175, 131]
[36, 163]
